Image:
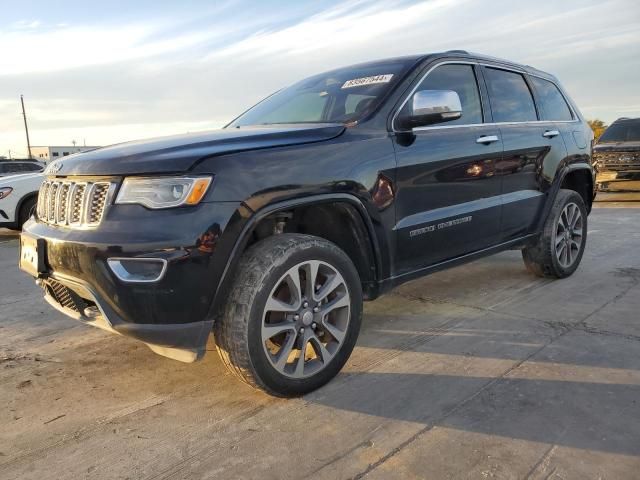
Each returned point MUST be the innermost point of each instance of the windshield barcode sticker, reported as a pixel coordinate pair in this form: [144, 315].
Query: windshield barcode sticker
[358, 82]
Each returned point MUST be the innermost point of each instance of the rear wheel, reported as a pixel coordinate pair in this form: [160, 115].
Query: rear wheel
[293, 315]
[559, 249]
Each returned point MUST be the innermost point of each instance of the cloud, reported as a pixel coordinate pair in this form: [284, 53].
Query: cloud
[118, 78]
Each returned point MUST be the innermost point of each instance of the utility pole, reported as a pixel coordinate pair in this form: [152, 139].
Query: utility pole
[26, 129]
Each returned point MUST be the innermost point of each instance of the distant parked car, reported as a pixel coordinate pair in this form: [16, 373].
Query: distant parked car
[18, 196]
[15, 167]
[617, 156]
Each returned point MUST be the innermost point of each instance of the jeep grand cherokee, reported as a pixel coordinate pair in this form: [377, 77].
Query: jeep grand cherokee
[272, 231]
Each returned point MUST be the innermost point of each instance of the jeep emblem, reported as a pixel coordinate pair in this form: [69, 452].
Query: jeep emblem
[54, 168]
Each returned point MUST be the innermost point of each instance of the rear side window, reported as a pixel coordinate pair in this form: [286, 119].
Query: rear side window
[511, 100]
[462, 80]
[554, 105]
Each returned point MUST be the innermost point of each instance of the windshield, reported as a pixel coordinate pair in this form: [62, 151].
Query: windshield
[340, 96]
[622, 131]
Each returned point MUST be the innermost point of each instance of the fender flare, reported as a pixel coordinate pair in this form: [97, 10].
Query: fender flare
[552, 193]
[264, 212]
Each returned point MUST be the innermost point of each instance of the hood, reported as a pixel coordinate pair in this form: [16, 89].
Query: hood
[179, 153]
[617, 147]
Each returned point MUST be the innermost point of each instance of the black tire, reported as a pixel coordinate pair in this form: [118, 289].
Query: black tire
[542, 258]
[25, 211]
[238, 331]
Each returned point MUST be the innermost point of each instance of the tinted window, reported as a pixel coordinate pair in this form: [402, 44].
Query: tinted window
[622, 131]
[554, 105]
[462, 80]
[511, 100]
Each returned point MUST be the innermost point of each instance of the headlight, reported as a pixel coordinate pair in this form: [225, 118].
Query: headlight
[5, 191]
[163, 192]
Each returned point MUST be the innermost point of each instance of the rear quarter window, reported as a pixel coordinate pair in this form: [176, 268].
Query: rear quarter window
[554, 106]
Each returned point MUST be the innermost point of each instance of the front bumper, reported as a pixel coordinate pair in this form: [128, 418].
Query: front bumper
[172, 316]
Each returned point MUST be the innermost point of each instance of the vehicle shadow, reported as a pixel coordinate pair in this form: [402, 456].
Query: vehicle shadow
[578, 414]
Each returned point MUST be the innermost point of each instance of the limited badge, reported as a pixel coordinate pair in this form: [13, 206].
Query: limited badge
[358, 82]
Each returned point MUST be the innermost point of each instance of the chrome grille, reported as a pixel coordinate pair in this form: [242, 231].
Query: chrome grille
[618, 158]
[71, 203]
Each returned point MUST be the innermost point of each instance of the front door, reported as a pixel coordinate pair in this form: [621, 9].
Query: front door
[447, 199]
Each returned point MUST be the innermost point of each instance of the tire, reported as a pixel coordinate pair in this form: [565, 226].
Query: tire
[548, 257]
[25, 211]
[264, 286]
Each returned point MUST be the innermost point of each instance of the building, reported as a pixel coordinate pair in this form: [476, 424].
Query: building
[48, 154]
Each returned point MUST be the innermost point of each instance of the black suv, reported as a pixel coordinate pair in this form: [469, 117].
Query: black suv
[15, 167]
[272, 231]
[616, 156]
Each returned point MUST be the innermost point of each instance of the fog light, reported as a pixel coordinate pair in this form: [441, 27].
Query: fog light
[138, 270]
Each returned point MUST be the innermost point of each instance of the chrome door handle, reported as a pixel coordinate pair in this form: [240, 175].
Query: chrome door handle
[487, 139]
[551, 133]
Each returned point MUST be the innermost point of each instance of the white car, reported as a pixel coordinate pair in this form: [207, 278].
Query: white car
[18, 196]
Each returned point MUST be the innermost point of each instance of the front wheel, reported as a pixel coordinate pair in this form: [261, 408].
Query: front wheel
[560, 247]
[293, 314]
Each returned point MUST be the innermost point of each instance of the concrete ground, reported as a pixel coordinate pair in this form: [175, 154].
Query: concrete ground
[483, 371]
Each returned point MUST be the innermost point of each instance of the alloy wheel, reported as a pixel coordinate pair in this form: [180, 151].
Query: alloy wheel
[306, 319]
[568, 236]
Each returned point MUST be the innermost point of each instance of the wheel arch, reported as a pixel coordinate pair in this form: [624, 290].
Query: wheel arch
[365, 252]
[21, 202]
[575, 176]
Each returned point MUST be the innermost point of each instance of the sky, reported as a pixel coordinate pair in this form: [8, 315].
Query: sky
[106, 72]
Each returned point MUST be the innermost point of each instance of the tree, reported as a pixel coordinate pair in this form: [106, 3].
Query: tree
[598, 127]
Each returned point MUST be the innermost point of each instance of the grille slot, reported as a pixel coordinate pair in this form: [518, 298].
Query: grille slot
[73, 204]
[65, 297]
[98, 200]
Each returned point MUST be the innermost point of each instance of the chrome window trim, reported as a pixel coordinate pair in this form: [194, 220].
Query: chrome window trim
[487, 124]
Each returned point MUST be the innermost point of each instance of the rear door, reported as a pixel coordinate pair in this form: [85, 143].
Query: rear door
[447, 198]
[529, 145]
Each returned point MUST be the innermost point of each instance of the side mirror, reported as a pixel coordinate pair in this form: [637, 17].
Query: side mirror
[432, 106]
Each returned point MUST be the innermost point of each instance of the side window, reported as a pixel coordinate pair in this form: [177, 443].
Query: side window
[511, 100]
[462, 80]
[553, 103]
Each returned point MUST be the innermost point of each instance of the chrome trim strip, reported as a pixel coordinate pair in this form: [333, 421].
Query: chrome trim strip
[484, 64]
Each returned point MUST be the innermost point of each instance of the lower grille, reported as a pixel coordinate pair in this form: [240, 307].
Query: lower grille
[64, 296]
